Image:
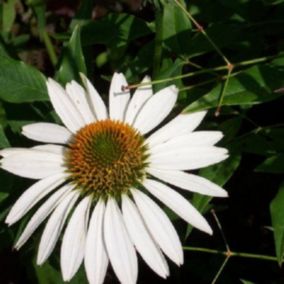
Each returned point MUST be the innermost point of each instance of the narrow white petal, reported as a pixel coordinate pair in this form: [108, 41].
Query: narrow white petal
[156, 109]
[189, 182]
[178, 204]
[42, 213]
[187, 159]
[54, 226]
[160, 227]
[80, 100]
[142, 239]
[96, 259]
[51, 148]
[33, 164]
[95, 99]
[140, 96]
[181, 124]
[74, 239]
[197, 138]
[120, 249]
[118, 99]
[64, 107]
[47, 132]
[32, 196]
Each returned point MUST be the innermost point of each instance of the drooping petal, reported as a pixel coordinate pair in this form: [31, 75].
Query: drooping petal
[118, 98]
[197, 139]
[79, 99]
[181, 124]
[54, 227]
[159, 226]
[32, 196]
[42, 213]
[120, 249]
[51, 148]
[33, 164]
[64, 107]
[47, 132]
[156, 109]
[178, 204]
[74, 240]
[95, 99]
[142, 239]
[189, 182]
[96, 259]
[140, 96]
[190, 158]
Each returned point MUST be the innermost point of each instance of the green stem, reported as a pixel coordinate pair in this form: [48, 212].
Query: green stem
[209, 70]
[232, 254]
[223, 92]
[220, 270]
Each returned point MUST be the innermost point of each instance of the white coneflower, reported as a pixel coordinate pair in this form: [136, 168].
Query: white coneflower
[105, 165]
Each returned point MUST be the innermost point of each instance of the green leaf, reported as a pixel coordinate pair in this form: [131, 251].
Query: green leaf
[169, 69]
[114, 30]
[246, 281]
[47, 274]
[253, 86]
[176, 28]
[8, 15]
[274, 164]
[264, 141]
[3, 139]
[277, 218]
[73, 60]
[218, 174]
[20, 82]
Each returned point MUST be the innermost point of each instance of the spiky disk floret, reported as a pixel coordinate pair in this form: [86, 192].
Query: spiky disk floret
[106, 158]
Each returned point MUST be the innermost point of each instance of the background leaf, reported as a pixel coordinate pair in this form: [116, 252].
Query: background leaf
[277, 218]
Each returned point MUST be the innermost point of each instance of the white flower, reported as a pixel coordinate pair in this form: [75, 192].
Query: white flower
[105, 164]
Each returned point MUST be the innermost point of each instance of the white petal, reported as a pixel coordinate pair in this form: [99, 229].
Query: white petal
[74, 239]
[198, 138]
[95, 99]
[118, 99]
[32, 196]
[33, 164]
[189, 182]
[159, 226]
[96, 259]
[47, 132]
[54, 226]
[181, 124]
[142, 239]
[156, 109]
[187, 158]
[141, 95]
[11, 151]
[55, 149]
[64, 107]
[120, 249]
[178, 204]
[79, 99]
[42, 213]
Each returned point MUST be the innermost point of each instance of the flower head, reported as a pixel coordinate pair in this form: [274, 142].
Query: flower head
[97, 173]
